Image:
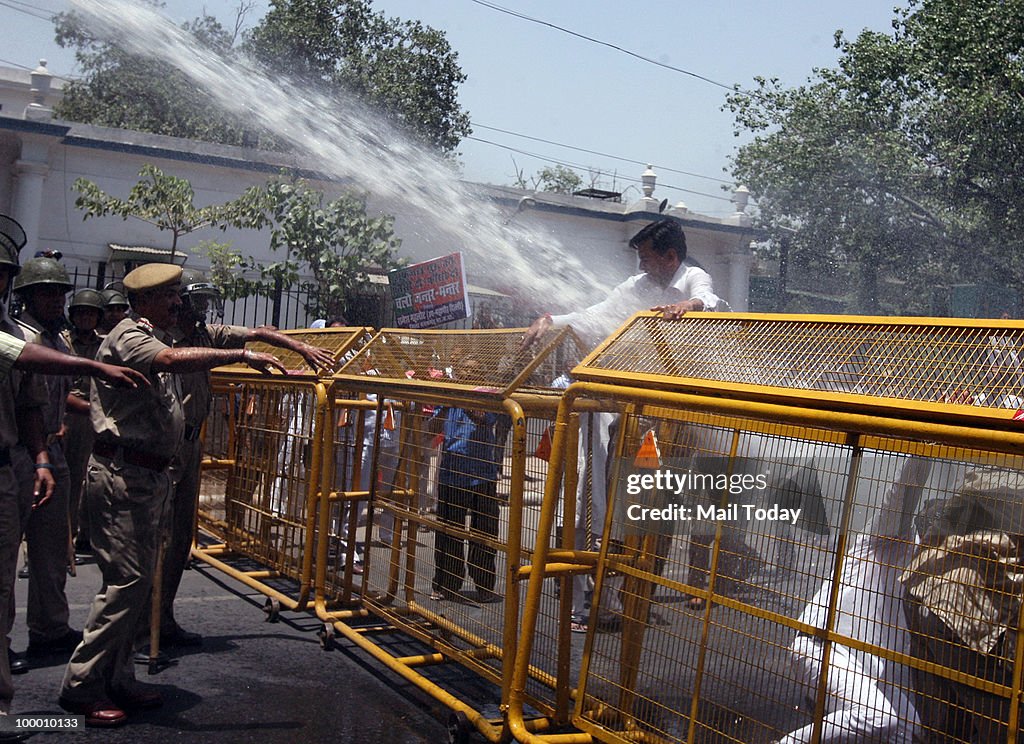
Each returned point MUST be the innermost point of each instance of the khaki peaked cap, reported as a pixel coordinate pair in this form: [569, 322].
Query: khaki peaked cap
[152, 276]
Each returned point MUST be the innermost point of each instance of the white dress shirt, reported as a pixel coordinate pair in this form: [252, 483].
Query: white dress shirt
[640, 292]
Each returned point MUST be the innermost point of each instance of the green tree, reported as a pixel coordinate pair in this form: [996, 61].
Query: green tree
[403, 69]
[335, 242]
[904, 161]
[129, 91]
[166, 202]
[558, 180]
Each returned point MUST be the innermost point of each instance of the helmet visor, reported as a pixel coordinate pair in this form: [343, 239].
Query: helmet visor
[203, 302]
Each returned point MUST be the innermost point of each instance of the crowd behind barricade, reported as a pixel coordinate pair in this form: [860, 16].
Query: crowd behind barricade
[938, 582]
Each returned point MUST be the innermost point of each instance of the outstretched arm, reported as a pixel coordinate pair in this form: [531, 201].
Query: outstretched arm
[198, 359]
[317, 358]
[47, 361]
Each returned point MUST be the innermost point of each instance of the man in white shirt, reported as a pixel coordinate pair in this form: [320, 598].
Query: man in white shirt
[667, 284]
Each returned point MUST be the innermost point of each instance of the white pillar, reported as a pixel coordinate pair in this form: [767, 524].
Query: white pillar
[739, 278]
[27, 205]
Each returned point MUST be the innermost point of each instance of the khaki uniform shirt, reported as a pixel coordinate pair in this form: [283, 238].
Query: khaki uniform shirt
[195, 386]
[57, 386]
[84, 345]
[20, 390]
[148, 419]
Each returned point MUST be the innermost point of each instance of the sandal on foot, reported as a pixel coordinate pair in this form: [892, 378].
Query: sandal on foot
[578, 625]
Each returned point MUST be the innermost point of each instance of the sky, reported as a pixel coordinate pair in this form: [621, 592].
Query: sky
[552, 91]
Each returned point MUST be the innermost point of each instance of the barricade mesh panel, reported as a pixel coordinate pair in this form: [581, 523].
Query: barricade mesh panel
[491, 359]
[428, 513]
[218, 446]
[267, 499]
[436, 556]
[962, 362]
[714, 618]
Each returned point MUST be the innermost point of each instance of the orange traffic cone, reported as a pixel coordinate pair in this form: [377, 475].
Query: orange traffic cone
[649, 455]
[389, 418]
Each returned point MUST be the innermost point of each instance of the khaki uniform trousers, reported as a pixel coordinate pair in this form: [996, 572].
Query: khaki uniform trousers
[125, 506]
[46, 534]
[180, 528]
[78, 441]
[10, 542]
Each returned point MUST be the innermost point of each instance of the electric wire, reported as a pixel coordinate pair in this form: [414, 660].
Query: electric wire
[600, 154]
[690, 73]
[571, 164]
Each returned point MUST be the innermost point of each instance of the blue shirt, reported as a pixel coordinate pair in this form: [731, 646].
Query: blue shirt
[469, 455]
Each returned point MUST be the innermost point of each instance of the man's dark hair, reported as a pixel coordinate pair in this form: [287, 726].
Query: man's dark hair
[665, 236]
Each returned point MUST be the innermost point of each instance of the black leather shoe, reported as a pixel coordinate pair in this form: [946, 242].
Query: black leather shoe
[18, 665]
[65, 644]
[142, 657]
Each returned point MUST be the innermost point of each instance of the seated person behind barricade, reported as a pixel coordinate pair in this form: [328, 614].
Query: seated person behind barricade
[865, 693]
[963, 603]
[466, 485]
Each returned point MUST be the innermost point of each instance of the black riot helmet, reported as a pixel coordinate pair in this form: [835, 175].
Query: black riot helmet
[12, 240]
[200, 298]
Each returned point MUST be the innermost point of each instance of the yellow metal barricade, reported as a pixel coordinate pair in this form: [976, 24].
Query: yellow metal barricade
[813, 533]
[275, 471]
[445, 514]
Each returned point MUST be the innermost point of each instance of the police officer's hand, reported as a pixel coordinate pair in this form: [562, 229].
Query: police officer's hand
[120, 376]
[317, 358]
[264, 362]
[43, 487]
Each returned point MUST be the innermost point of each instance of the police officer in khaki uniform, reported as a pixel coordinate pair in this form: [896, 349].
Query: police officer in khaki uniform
[42, 285]
[84, 312]
[128, 487]
[201, 299]
[21, 400]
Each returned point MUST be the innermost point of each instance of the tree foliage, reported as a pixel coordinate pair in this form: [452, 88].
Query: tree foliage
[905, 160]
[403, 69]
[129, 91]
[166, 202]
[335, 242]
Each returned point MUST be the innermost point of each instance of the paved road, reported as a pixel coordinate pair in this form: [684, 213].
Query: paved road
[252, 681]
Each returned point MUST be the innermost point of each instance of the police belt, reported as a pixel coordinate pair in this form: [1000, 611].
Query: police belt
[131, 456]
[192, 432]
